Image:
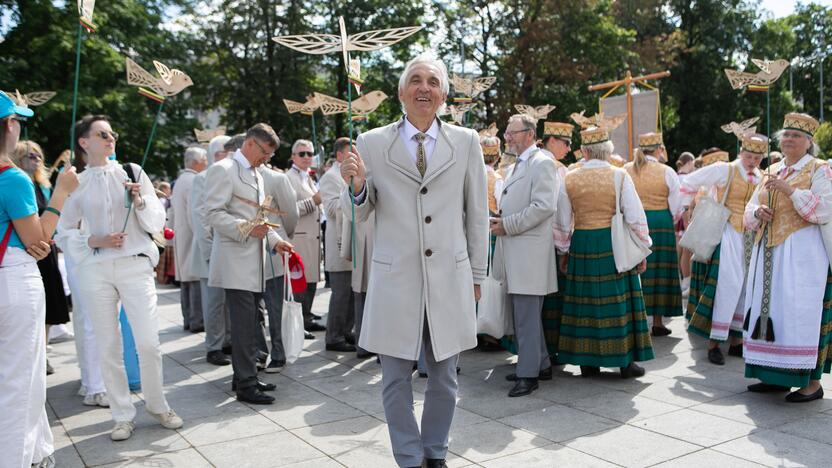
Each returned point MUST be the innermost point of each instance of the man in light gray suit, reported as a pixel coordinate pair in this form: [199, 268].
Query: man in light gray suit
[241, 241]
[277, 185]
[525, 251]
[214, 313]
[426, 183]
[341, 315]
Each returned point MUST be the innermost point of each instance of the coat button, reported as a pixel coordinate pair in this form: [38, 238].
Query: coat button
[427, 219]
[424, 190]
[428, 252]
[505, 191]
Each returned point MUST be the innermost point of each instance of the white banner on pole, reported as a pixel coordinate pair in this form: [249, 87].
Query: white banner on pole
[645, 118]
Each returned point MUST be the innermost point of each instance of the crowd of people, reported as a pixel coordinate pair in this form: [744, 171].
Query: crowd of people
[409, 223]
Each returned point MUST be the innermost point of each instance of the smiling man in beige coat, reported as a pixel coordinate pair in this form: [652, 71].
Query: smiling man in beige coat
[426, 183]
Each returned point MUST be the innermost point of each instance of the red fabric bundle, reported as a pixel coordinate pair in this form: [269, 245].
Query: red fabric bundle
[297, 274]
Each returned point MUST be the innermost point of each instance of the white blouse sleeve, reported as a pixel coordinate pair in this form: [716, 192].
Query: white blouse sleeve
[71, 238]
[152, 216]
[633, 210]
[498, 190]
[674, 197]
[709, 176]
[815, 204]
[563, 221]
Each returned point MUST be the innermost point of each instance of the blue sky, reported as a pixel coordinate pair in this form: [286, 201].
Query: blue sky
[782, 8]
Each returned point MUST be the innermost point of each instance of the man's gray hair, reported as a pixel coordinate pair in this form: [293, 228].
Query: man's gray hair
[298, 143]
[528, 122]
[193, 155]
[427, 58]
[235, 143]
[600, 151]
[263, 132]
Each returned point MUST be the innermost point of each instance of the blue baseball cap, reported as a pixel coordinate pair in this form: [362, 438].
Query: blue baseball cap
[8, 107]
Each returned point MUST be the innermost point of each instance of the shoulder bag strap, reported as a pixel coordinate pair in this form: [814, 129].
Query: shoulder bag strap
[619, 184]
[287, 280]
[731, 171]
[8, 234]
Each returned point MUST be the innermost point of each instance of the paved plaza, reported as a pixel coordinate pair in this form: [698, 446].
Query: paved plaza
[328, 413]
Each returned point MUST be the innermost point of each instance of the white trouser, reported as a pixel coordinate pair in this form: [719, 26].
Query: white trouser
[25, 437]
[92, 381]
[103, 285]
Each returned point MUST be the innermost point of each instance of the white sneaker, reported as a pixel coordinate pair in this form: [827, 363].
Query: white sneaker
[122, 431]
[97, 399]
[48, 462]
[168, 419]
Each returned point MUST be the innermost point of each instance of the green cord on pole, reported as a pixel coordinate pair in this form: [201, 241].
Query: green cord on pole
[144, 159]
[75, 96]
[352, 182]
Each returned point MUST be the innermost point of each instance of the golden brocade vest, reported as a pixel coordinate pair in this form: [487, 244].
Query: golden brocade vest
[650, 185]
[786, 219]
[592, 194]
[493, 177]
[738, 196]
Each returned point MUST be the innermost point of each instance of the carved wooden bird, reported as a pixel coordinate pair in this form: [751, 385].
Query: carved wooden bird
[204, 136]
[489, 131]
[740, 129]
[537, 113]
[598, 120]
[362, 106]
[770, 71]
[471, 87]
[457, 111]
[306, 108]
[169, 83]
[31, 99]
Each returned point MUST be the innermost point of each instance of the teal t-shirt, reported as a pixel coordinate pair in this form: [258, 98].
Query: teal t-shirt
[17, 200]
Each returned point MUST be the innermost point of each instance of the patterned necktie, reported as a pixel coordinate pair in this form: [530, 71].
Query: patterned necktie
[421, 162]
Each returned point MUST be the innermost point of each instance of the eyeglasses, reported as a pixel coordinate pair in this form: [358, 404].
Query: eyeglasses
[265, 153]
[305, 154]
[514, 132]
[105, 135]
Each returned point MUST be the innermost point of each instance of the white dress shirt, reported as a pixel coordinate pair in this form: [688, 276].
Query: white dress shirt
[240, 158]
[407, 131]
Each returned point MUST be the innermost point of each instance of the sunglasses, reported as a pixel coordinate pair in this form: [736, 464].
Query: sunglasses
[105, 135]
[305, 154]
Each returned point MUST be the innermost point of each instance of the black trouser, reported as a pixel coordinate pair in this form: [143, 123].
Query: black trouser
[305, 300]
[243, 307]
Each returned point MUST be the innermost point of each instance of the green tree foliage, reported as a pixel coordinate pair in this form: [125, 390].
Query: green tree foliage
[823, 137]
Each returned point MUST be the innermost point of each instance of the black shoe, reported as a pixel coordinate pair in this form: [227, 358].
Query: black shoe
[489, 346]
[589, 371]
[254, 396]
[262, 386]
[735, 350]
[275, 366]
[523, 387]
[226, 350]
[197, 329]
[435, 463]
[315, 316]
[715, 356]
[340, 347]
[363, 354]
[308, 336]
[217, 358]
[545, 374]
[797, 397]
[767, 388]
[313, 327]
[350, 338]
[423, 375]
[186, 327]
[49, 369]
[633, 370]
[261, 363]
[660, 331]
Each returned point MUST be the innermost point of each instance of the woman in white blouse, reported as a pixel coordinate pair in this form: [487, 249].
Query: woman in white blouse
[113, 264]
[788, 326]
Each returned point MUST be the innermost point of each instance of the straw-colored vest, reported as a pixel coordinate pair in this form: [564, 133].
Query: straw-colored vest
[592, 194]
[786, 220]
[650, 185]
[738, 196]
[493, 177]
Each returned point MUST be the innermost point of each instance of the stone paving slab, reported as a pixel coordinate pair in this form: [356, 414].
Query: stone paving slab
[685, 412]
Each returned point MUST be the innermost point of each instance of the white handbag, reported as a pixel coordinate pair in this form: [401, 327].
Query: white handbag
[707, 225]
[291, 325]
[494, 314]
[628, 250]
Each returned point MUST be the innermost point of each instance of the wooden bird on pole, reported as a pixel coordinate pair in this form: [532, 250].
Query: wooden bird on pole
[628, 81]
[37, 98]
[170, 82]
[261, 217]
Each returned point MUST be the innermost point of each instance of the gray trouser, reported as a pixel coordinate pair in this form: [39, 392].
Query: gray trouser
[305, 300]
[359, 298]
[409, 446]
[243, 306]
[532, 355]
[215, 316]
[274, 306]
[191, 299]
[339, 319]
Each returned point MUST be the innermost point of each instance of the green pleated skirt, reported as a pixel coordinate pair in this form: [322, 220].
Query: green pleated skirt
[800, 377]
[603, 321]
[660, 283]
[700, 307]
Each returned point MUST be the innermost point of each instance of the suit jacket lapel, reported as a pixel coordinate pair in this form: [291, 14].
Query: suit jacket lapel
[246, 177]
[442, 158]
[518, 172]
[397, 155]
